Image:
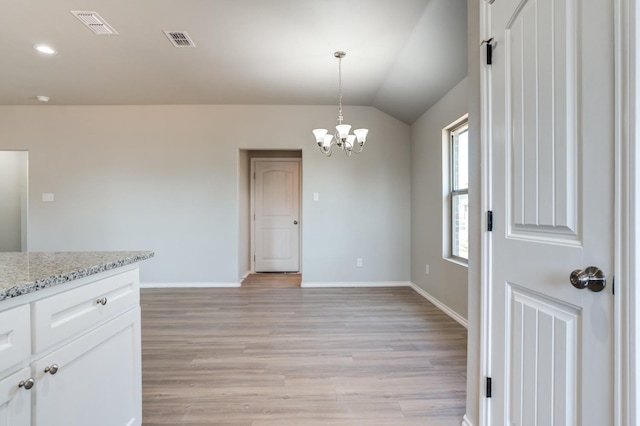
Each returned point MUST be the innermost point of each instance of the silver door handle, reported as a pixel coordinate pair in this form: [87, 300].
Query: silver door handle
[27, 384]
[53, 369]
[592, 278]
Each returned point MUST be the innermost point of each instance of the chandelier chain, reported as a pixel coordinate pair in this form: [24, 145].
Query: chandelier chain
[340, 118]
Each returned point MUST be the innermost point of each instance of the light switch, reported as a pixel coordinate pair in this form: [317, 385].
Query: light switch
[316, 196]
[48, 197]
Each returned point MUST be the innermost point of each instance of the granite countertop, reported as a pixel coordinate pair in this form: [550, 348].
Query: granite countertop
[23, 273]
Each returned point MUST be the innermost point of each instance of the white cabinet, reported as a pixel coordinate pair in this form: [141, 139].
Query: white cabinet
[15, 348]
[96, 380]
[15, 334]
[15, 401]
[67, 314]
[81, 347]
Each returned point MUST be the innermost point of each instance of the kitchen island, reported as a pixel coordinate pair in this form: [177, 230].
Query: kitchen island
[70, 338]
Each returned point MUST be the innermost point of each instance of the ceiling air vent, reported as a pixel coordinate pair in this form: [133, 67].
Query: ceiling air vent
[94, 22]
[179, 38]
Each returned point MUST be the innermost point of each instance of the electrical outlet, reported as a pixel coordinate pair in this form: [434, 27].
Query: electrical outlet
[359, 262]
[427, 269]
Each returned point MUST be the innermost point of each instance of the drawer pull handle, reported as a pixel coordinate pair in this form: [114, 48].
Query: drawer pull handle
[102, 301]
[27, 384]
[53, 369]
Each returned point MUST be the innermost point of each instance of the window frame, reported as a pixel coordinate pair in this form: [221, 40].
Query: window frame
[451, 191]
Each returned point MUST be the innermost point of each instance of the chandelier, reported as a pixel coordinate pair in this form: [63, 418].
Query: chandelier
[342, 139]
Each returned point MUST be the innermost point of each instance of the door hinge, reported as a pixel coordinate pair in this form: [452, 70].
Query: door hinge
[490, 221]
[613, 286]
[254, 216]
[254, 175]
[488, 390]
[489, 49]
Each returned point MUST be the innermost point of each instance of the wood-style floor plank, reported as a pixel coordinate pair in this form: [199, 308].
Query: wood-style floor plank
[271, 353]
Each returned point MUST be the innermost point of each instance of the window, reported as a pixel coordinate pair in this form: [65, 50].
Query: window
[459, 191]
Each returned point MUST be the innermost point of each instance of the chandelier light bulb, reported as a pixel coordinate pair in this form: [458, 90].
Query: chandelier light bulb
[319, 134]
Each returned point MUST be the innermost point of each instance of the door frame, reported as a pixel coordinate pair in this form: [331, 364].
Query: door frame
[627, 209]
[252, 211]
[626, 226]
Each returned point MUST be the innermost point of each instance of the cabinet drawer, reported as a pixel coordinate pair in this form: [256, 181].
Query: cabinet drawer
[15, 336]
[73, 312]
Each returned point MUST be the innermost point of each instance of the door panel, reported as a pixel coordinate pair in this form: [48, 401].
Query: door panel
[276, 208]
[552, 183]
[542, 141]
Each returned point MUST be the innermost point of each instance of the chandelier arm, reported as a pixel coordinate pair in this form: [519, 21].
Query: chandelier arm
[358, 151]
[327, 151]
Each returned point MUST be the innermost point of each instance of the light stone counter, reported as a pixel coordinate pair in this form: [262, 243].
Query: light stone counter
[24, 273]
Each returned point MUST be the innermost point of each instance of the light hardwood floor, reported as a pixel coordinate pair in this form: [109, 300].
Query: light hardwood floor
[271, 353]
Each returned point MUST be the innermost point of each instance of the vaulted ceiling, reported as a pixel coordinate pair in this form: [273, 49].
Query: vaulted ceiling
[402, 55]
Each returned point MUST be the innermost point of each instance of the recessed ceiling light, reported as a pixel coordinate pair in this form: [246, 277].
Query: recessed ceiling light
[43, 98]
[43, 48]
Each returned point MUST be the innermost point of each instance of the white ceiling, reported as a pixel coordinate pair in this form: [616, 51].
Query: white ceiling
[402, 55]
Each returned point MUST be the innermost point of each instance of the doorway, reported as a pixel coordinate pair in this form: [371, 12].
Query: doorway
[245, 204]
[549, 301]
[14, 197]
[275, 214]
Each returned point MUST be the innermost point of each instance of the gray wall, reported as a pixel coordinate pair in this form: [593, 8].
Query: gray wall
[447, 281]
[166, 178]
[13, 200]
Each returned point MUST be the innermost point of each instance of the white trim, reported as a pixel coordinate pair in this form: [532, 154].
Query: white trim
[190, 285]
[355, 284]
[438, 304]
[246, 274]
[252, 205]
[627, 325]
[466, 421]
[484, 415]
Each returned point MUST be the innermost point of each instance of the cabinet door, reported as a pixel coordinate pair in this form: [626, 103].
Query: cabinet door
[15, 333]
[98, 378]
[15, 402]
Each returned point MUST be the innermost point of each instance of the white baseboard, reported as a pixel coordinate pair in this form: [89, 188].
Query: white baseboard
[444, 308]
[246, 274]
[190, 285]
[356, 284]
[466, 421]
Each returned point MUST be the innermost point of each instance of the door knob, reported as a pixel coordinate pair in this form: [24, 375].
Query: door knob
[295, 222]
[592, 278]
[27, 384]
[53, 369]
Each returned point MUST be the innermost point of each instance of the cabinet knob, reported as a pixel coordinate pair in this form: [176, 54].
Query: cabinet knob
[27, 384]
[52, 369]
[102, 301]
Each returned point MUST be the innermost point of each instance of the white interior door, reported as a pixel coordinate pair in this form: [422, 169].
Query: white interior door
[277, 215]
[552, 139]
